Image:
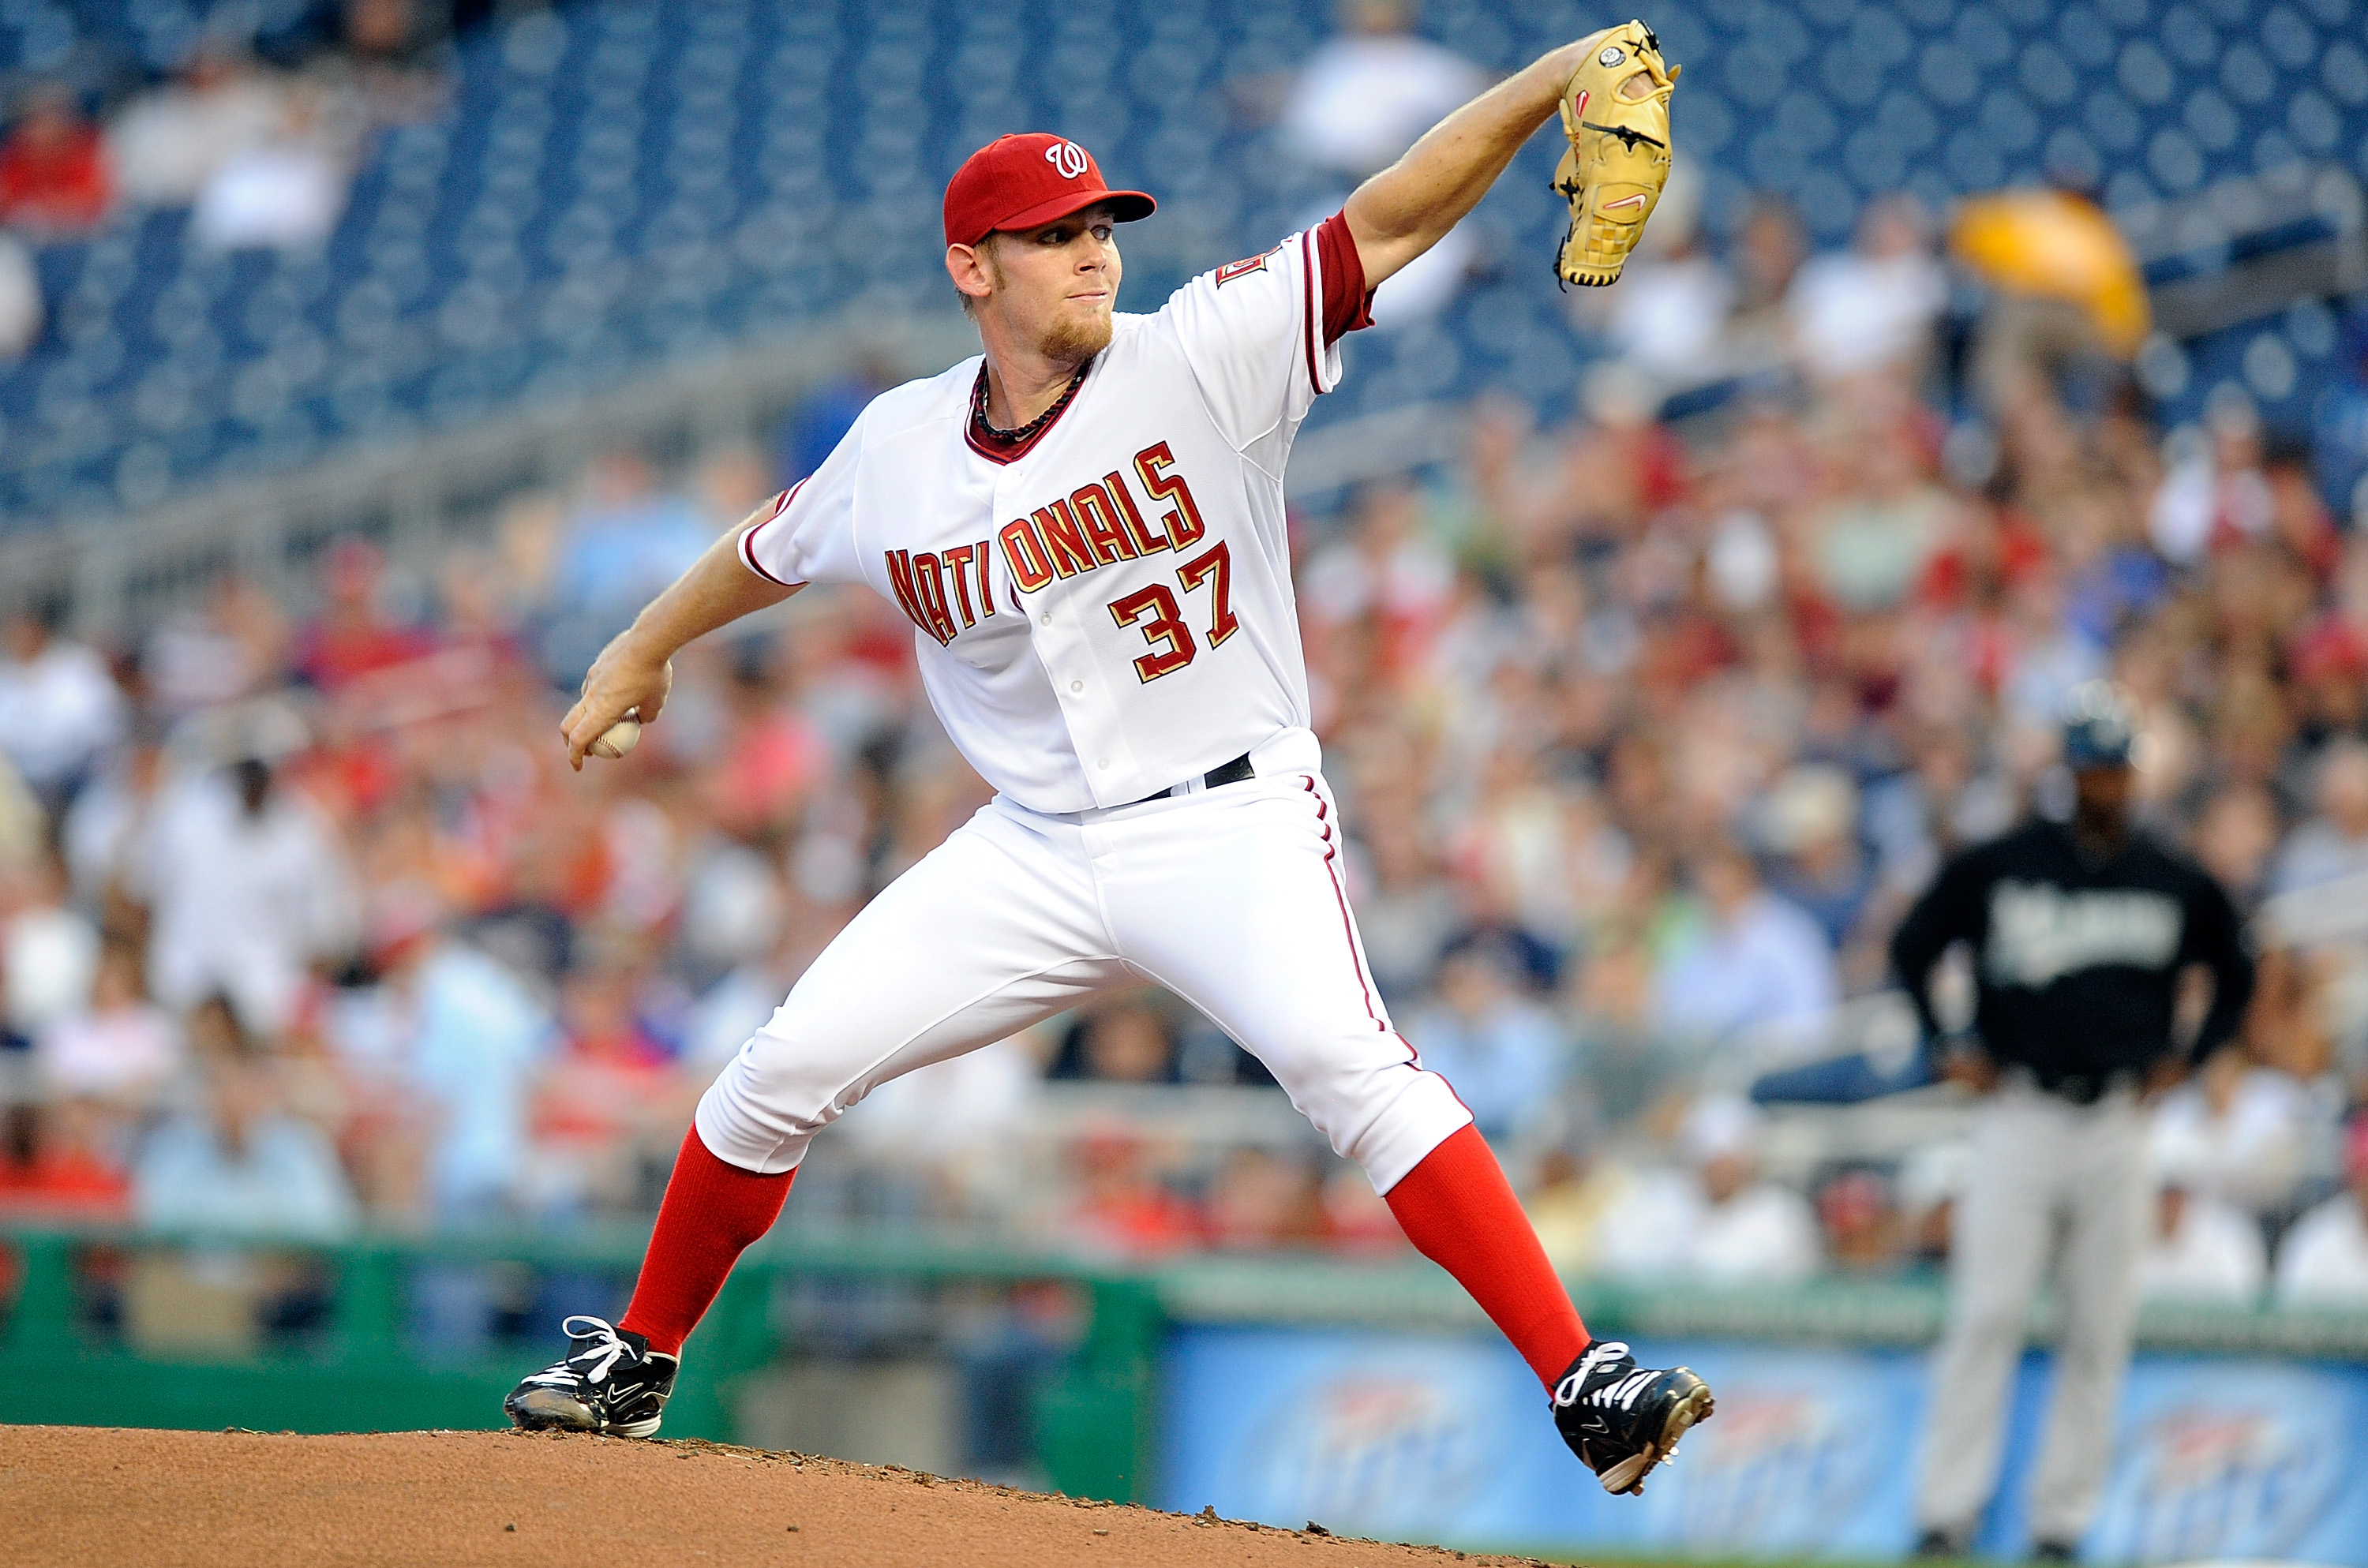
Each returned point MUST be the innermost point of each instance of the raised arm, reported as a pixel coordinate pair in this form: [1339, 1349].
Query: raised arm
[1408, 206]
[635, 672]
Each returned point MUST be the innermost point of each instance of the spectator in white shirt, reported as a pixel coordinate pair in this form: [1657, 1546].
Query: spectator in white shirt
[1873, 306]
[1360, 101]
[1371, 90]
[2202, 1251]
[49, 952]
[168, 143]
[105, 831]
[1715, 1221]
[2324, 1260]
[284, 193]
[2235, 1132]
[2212, 486]
[59, 705]
[249, 887]
[233, 645]
[953, 1124]
[122, 1048]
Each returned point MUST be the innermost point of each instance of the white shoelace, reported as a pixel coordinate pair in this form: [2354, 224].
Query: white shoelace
[604, 1355]
[1566, 1391]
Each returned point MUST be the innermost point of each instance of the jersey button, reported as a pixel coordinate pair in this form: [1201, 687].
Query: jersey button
[1103, 763]
[1076, 686]
[1047, 617]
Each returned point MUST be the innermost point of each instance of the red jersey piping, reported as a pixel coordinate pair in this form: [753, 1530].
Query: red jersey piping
[749, 537]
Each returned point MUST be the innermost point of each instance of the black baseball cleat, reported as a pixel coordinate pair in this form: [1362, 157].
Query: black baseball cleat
[611, 1382]
[1622, 1421]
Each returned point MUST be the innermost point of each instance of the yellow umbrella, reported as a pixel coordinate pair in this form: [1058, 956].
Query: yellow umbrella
[2058, 246]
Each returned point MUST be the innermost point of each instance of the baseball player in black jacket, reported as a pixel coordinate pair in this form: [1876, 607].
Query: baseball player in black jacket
[2080, 932]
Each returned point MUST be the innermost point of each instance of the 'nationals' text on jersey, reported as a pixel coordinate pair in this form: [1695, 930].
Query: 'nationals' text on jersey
[1096, 524]
[1104, 607]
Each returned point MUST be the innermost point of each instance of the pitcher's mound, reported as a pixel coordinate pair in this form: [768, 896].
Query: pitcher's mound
[94, 1498]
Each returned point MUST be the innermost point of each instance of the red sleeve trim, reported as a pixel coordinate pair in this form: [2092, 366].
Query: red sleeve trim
[1347, 303]
[748, 536]
[1307, 322]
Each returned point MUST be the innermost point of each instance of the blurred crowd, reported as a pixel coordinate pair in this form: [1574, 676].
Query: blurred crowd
[1646, 732]
[256, 135]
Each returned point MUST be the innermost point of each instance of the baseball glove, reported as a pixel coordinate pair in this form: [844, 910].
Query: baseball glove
[1615, 110]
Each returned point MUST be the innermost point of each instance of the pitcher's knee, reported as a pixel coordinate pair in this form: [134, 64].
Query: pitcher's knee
[768, 1104]
[739, 1134]
[1415, 1114]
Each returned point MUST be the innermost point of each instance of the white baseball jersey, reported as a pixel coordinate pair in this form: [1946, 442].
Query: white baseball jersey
[1103, 611]
[1105, 608]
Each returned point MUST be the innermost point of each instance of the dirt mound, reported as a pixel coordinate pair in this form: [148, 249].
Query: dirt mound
[102, 1498]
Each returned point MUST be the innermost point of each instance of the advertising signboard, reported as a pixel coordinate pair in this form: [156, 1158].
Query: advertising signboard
[1813, 1451]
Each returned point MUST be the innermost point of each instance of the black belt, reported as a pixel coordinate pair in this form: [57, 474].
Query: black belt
[1231, 772]
[2086, 1089]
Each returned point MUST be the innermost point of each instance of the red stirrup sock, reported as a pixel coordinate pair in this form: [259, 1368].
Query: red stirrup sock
[1459, 1213]
[712, 1211]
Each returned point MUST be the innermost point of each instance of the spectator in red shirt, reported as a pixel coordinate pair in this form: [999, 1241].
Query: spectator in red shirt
[353, 636]
[1121, 1204]
[55, 1164]
[602, 1099]
[53, 170]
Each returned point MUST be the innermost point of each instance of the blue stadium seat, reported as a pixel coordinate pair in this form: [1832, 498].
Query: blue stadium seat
[619, 183]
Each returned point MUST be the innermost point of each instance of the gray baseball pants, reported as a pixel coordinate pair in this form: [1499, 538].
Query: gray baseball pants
[2048, 1177]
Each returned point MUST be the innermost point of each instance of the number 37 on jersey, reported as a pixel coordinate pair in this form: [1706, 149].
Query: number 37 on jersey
[1098, 524]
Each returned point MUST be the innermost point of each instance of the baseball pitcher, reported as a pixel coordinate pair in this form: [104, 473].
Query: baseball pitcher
[1084, 526]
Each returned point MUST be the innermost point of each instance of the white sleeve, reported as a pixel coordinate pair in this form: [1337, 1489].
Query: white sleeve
[1253, 333]
[810, 538]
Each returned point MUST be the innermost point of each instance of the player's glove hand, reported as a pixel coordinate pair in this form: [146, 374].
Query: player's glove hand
[1615, 110]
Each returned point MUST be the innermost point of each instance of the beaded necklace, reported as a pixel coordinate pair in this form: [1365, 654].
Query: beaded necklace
[1014, 437]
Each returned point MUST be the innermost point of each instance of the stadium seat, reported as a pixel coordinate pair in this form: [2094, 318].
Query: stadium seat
[615, 184]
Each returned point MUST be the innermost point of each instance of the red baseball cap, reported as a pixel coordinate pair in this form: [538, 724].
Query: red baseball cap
[1021, 182]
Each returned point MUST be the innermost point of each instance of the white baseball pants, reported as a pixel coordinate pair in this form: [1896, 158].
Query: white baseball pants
[2049, 1177]
[1232, 898]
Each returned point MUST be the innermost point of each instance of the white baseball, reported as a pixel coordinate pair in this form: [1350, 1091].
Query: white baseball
[617, 739]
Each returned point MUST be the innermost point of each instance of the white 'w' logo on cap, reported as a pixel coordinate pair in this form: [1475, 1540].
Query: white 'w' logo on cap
[1067, 157]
